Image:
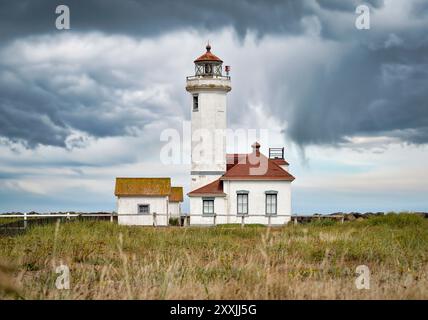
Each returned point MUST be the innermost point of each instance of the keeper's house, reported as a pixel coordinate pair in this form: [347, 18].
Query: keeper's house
[140, 199]
[229, 188]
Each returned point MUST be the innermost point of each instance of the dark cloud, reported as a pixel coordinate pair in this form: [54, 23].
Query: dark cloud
[368, 92]
[148, 18]
[151, 18]
[376, 87]
[420, 9]
[45, 100]
[349, 5]
[48, 116]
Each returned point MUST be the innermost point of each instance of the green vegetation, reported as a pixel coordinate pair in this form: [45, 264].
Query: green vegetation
[174, 222]
[6, 220]
[315, 260]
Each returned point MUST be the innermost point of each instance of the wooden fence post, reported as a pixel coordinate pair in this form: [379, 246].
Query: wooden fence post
[155, 223]
[295, 221]
[111, 217]
[214, 219]
[242, 221]
[269, 216]
[342, 219]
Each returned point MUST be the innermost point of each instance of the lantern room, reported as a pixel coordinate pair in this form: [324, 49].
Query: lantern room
[208, 65]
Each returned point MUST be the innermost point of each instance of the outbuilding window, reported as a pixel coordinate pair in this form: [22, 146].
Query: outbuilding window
[143, 208]
[271, 203]
[208, 206]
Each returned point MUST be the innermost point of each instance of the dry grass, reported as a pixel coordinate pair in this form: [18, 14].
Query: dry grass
[315, 261]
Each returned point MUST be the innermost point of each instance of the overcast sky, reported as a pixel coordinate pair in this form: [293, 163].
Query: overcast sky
[80, 107]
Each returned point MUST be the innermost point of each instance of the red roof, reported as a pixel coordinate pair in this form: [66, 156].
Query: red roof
[280, 162]
[208, 56]
[250, 167]
[240, 167]
[214, 188]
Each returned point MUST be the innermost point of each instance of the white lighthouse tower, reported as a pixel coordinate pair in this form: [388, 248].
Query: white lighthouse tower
[208, 89]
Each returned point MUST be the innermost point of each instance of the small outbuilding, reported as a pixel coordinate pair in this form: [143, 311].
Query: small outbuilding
[147, 201]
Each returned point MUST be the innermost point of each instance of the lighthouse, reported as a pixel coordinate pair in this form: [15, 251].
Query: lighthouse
[225, 188]
[208, 89]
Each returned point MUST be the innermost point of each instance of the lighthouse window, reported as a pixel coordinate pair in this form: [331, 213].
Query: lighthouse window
[208, 68]
[195, 103]
[217, 70]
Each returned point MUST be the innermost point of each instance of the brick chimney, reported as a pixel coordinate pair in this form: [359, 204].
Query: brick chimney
[256, 148]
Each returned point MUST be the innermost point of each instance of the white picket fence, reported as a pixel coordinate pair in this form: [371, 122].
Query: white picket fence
[212, 218]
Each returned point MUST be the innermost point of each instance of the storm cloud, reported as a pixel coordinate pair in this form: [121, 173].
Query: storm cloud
[80, 107]
[145, 18]
[105, 76]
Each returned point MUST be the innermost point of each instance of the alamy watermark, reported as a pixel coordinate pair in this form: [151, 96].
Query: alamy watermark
[362, 22]
[62, 22]
[363, 279]
[62, 282]
[207, 147]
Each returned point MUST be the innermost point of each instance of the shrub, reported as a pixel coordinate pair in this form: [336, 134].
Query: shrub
[174, 222]
[323, 222]
[398, 220]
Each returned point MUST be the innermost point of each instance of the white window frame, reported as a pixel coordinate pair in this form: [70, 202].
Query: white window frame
[208, 201]
[244, 204]
[271, 208]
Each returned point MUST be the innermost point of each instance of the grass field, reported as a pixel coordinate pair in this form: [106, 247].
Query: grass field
[6, 220]
[312, 261]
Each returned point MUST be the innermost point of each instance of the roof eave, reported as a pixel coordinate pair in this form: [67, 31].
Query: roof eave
[206, 194]
[140, 195]
[259, 178]
[208, 60]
